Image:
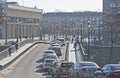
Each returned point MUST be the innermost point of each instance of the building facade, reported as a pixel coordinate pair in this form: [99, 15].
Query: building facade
[72, 23]
[3, 8]
[22, 22]
[111, 11]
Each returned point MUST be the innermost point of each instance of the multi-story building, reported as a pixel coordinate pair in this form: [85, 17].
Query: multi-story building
[72, 23]
[111, 11]
[3, 8]
[21, 22]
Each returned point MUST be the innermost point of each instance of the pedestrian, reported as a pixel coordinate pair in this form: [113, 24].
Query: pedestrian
[16, 46]
[72, 40]
[9, 50]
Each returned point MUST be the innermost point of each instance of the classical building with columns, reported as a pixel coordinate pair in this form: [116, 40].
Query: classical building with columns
[22, 22]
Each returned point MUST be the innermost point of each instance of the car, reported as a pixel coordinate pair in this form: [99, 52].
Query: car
[52, 67]
[10, 43]
[84, 69]
[55, 44]
[108, 71]
[62, 69]
[62, 40]
[48, 52]
[46, 63]
[51, 56]
[57, 50]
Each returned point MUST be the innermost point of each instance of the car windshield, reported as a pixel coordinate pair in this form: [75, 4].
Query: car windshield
[67, 65]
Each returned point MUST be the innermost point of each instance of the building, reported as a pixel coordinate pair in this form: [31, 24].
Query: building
[71, 23]
[21, 22]
[3, 7]
[111, 11]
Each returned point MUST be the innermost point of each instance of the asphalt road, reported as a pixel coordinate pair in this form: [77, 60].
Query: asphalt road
[27, 65]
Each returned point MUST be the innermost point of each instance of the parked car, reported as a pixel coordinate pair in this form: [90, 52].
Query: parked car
[62, 40]
[56, 42]
[108, 71]
[62, 68]
[84, 69]
[46, 63]
[51, 56]
[57, 50]
[48, 52]
[55, 45]
[52, 67]
[10, 43]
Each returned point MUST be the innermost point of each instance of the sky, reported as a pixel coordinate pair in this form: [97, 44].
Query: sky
[63, 5]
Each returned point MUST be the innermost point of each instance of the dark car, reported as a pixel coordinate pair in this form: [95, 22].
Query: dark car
[10, 43]
[108, 71]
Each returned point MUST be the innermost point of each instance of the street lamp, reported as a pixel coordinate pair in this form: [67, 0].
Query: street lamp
[89, 53]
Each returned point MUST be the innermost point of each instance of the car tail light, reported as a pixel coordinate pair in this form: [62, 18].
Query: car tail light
[60, 69]
[83, 70]
[45, 65]
[116, 74]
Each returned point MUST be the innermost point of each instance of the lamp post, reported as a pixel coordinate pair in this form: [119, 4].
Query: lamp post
[89, 53]
[81, 32]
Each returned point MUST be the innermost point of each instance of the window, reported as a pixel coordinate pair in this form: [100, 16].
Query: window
[112, 5]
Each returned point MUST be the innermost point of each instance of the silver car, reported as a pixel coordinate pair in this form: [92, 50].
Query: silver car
[47, 63]
[62, 69]
[84, 69]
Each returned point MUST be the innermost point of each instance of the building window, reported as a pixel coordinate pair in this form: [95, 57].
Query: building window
[112, 5]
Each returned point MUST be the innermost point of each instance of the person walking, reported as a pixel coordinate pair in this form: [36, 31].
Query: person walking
[16, 46]
[9, 50]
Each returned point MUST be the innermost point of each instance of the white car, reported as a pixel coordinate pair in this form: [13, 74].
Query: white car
[48, 52]
[47, 63]
[51, 56]
[62, 40]
[56, 44]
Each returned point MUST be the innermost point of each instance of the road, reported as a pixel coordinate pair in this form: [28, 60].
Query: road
[27, 65]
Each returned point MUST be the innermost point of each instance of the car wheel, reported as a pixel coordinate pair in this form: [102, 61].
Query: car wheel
[95, 76]
[69, 76]
[107, 77]
[77, 75]
[57, 76]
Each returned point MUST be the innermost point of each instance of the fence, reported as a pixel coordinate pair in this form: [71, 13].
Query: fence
[5, 53]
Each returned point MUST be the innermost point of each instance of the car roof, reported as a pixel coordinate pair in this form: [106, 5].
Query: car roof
[112, 64]
[49, 50]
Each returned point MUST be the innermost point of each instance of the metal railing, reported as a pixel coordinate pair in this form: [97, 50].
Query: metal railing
[5, 53]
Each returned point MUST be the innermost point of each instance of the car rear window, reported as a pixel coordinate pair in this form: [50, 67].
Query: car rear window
[88, 64]
[69, 65]
[48, 52]
[116, 67]
[49, 61]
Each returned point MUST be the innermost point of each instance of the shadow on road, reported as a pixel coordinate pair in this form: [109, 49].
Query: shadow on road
[39, 61]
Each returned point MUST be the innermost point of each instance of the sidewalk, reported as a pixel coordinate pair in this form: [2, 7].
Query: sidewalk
[72, 56]
[8, 60]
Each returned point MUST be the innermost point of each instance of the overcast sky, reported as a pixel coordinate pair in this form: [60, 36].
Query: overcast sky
[63, 5]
